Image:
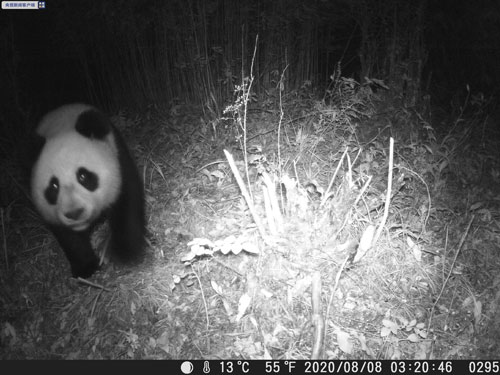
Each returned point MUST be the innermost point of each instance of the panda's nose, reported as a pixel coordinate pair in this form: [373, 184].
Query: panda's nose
[74, 214]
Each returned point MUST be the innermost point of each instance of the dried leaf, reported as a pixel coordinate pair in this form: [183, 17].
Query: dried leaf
[243, 305]
[413, 337]
[384, 332]
[343, 339]
[251, 248]
[201, 242]
[216, 287]
[415, 249]
[365, 243]
[422, 333]
[478, 308]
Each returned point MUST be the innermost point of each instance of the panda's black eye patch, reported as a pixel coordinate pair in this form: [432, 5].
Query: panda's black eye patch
[87, 179]
[52, 191]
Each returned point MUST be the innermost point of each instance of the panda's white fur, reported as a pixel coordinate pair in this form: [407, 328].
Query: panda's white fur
[64, 149]
[76, 208]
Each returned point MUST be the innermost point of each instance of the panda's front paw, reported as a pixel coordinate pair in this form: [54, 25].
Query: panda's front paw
[86, 270]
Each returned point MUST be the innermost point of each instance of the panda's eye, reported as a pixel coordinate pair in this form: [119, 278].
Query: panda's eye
[87, 179]
[52, 191]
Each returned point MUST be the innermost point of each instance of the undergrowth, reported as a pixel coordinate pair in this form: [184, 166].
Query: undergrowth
[278, 232]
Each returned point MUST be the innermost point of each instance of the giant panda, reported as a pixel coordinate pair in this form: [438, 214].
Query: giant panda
[83, 175]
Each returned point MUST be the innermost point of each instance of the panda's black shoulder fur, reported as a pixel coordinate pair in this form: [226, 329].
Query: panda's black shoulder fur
[126, 216]
[127, 213]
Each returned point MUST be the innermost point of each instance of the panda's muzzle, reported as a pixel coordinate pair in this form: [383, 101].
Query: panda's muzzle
[74, 214]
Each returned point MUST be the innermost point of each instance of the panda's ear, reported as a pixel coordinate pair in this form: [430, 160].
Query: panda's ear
[93, 124]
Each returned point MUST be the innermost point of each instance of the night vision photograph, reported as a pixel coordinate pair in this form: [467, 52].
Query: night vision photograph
[290, 186]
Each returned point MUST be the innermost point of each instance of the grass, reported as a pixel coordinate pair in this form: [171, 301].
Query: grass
[217, 285]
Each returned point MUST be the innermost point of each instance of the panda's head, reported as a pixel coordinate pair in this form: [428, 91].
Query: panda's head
[77, 174]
